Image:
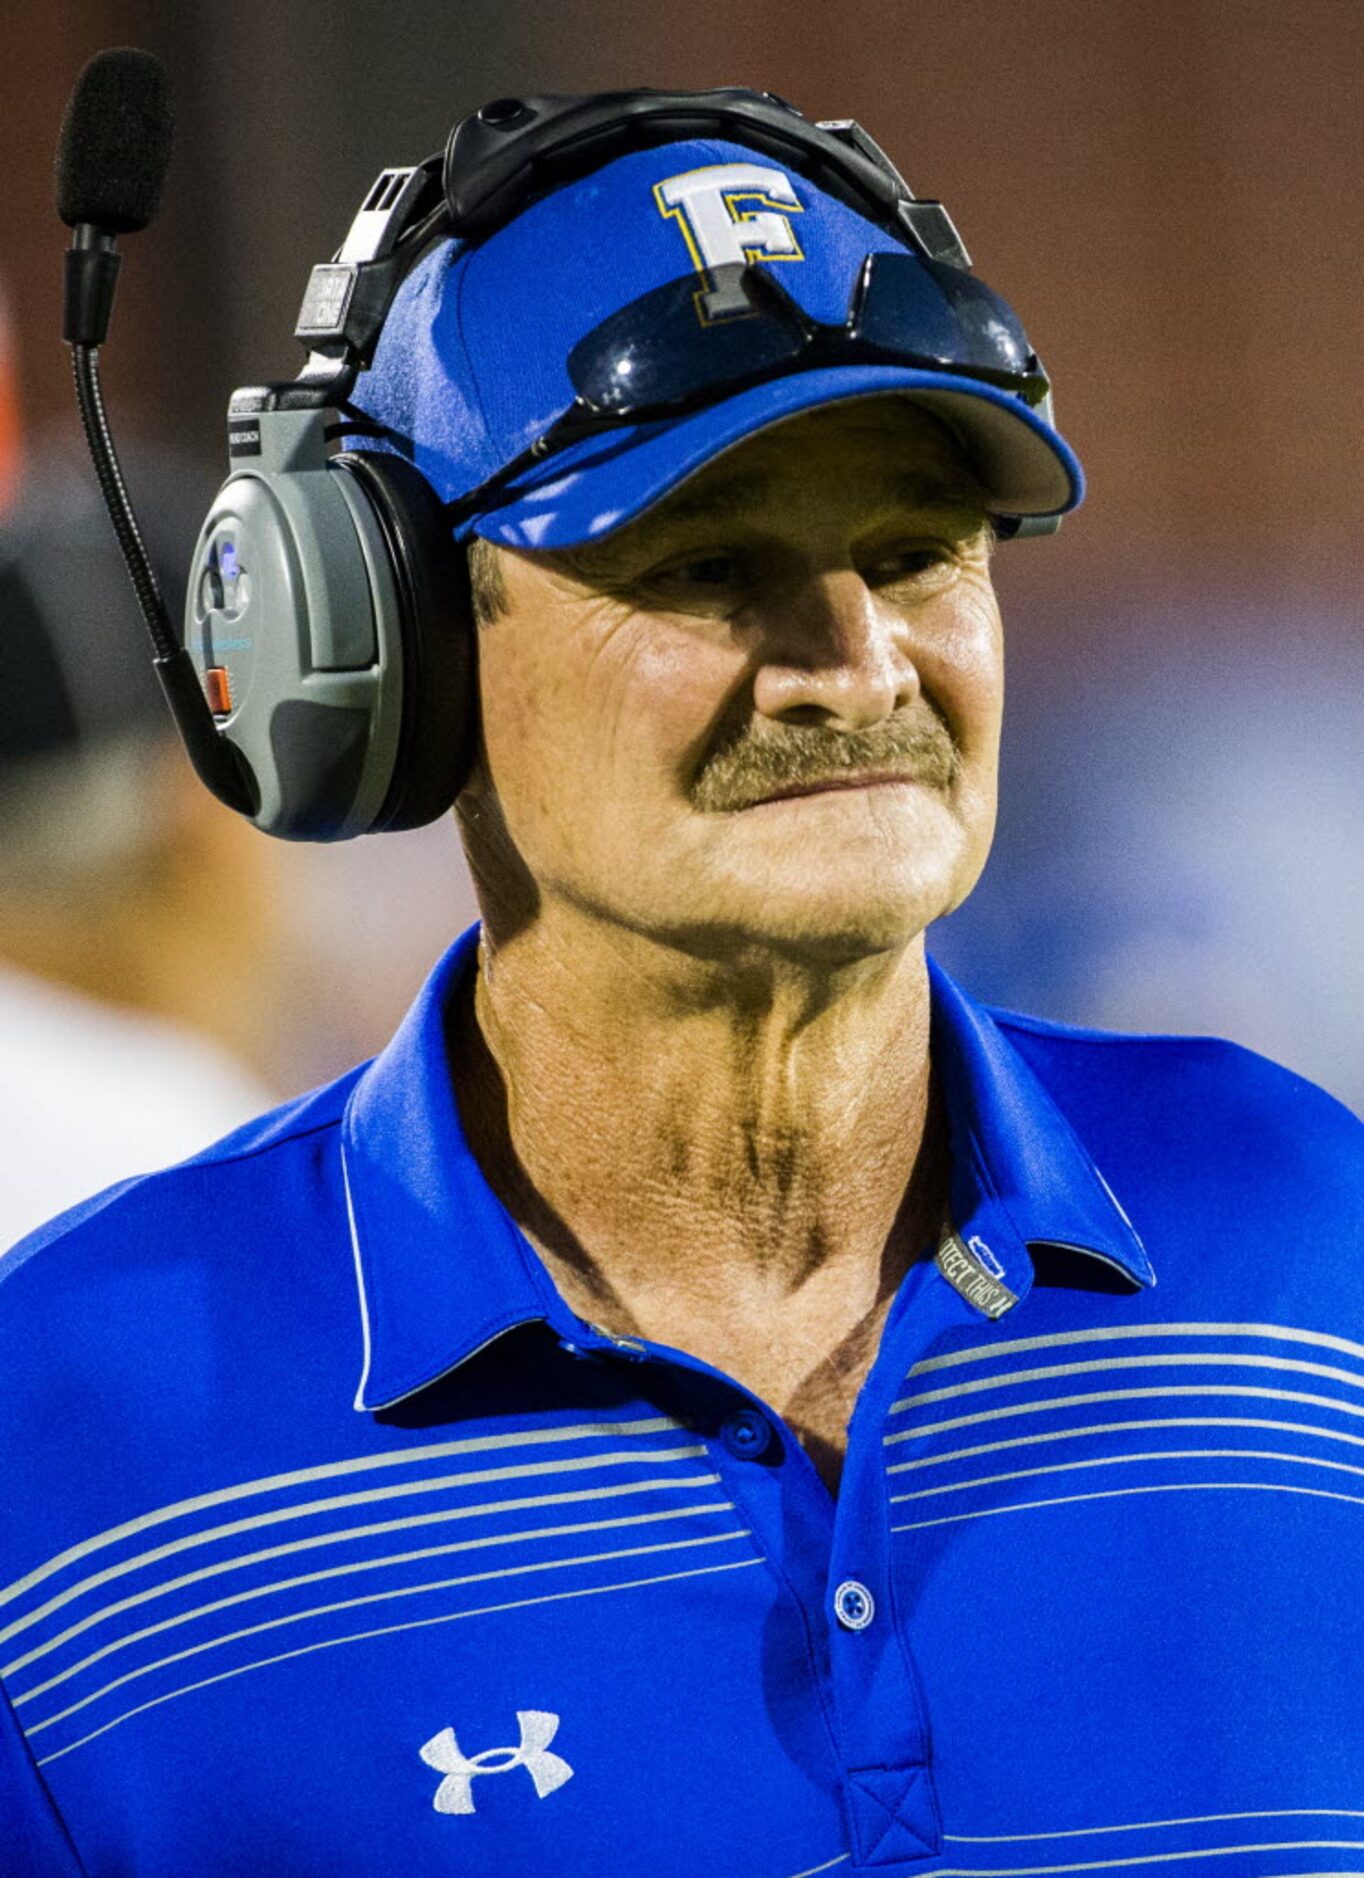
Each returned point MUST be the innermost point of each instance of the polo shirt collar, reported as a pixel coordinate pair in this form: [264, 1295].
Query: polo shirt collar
[441, 1266]
[1020, 1174]
[442, 1269]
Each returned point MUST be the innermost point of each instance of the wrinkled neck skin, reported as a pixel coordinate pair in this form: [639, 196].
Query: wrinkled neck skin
[753, 1140]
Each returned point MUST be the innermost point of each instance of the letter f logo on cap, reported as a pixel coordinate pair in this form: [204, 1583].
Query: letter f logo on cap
[717, 231]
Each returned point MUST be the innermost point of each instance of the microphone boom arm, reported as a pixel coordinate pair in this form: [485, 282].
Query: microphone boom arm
[219, 765]
[111, 163]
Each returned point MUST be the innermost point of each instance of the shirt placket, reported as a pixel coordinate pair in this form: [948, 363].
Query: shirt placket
[883, 1728]
[873, 1699]
[883, 1724]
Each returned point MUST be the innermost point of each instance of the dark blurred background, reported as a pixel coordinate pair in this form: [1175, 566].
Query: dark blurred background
[1171, 192]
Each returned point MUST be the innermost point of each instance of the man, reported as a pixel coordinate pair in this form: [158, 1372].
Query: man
[701, 1398]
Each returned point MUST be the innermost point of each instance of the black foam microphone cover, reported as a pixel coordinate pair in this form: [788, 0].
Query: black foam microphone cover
[115, 142]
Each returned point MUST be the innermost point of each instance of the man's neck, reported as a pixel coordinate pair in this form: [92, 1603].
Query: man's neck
[706, 1144]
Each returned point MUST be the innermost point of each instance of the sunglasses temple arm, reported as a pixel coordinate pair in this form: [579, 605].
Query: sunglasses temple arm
[576, 422]
[853, 323]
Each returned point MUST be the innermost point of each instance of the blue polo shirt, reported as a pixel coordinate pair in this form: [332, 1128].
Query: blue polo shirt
[333, 1542]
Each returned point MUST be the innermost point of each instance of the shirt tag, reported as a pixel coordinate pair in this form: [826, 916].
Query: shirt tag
[966, 1274]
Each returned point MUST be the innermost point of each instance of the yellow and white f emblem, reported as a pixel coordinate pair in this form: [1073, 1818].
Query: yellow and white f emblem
[706, 205]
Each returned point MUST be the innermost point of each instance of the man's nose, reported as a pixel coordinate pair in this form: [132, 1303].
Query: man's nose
[834, 652]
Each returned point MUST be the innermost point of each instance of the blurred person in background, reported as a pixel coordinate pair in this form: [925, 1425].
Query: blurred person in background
[137, 915]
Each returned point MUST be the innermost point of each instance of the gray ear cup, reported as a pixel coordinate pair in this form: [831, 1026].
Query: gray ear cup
[297, 621]
[438, 738]
[329, 619]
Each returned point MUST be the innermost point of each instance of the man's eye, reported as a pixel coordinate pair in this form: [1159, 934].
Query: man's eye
[702, 570]
[907, 563]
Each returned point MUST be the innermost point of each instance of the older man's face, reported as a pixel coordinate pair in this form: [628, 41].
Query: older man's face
[814, 606]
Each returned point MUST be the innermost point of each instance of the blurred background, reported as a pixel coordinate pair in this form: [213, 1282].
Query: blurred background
[1171, 192]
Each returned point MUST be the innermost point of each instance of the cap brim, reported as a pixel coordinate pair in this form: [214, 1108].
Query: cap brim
[603, 482]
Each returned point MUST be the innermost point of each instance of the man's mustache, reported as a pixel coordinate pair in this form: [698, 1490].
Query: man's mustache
[917, 745]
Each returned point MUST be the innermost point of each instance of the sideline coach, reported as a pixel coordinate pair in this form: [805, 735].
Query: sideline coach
[711, 1396]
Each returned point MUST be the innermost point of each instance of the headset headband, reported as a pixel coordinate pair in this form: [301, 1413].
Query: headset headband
[501, 158]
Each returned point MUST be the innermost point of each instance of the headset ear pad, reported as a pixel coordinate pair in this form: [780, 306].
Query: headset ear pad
[438, 739]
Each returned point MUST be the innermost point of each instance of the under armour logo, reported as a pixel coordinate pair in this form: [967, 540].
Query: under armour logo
[705, 205]
[455, 1792]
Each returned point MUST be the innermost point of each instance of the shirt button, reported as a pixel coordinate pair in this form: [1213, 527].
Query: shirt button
[746, 1434]
[854, 1605]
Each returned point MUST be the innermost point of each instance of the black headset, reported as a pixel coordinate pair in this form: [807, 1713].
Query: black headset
[326, 684]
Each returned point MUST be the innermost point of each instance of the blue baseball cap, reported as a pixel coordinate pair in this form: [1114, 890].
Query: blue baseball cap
[471, 365]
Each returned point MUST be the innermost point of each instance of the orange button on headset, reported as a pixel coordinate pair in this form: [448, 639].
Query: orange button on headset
[218, 685]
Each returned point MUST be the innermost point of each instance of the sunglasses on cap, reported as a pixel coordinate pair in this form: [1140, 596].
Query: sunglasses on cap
[682, 345]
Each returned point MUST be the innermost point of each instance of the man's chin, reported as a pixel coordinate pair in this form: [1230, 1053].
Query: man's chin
[799, 927]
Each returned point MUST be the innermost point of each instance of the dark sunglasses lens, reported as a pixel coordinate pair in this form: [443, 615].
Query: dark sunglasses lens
[942, 312]
[690, 336]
